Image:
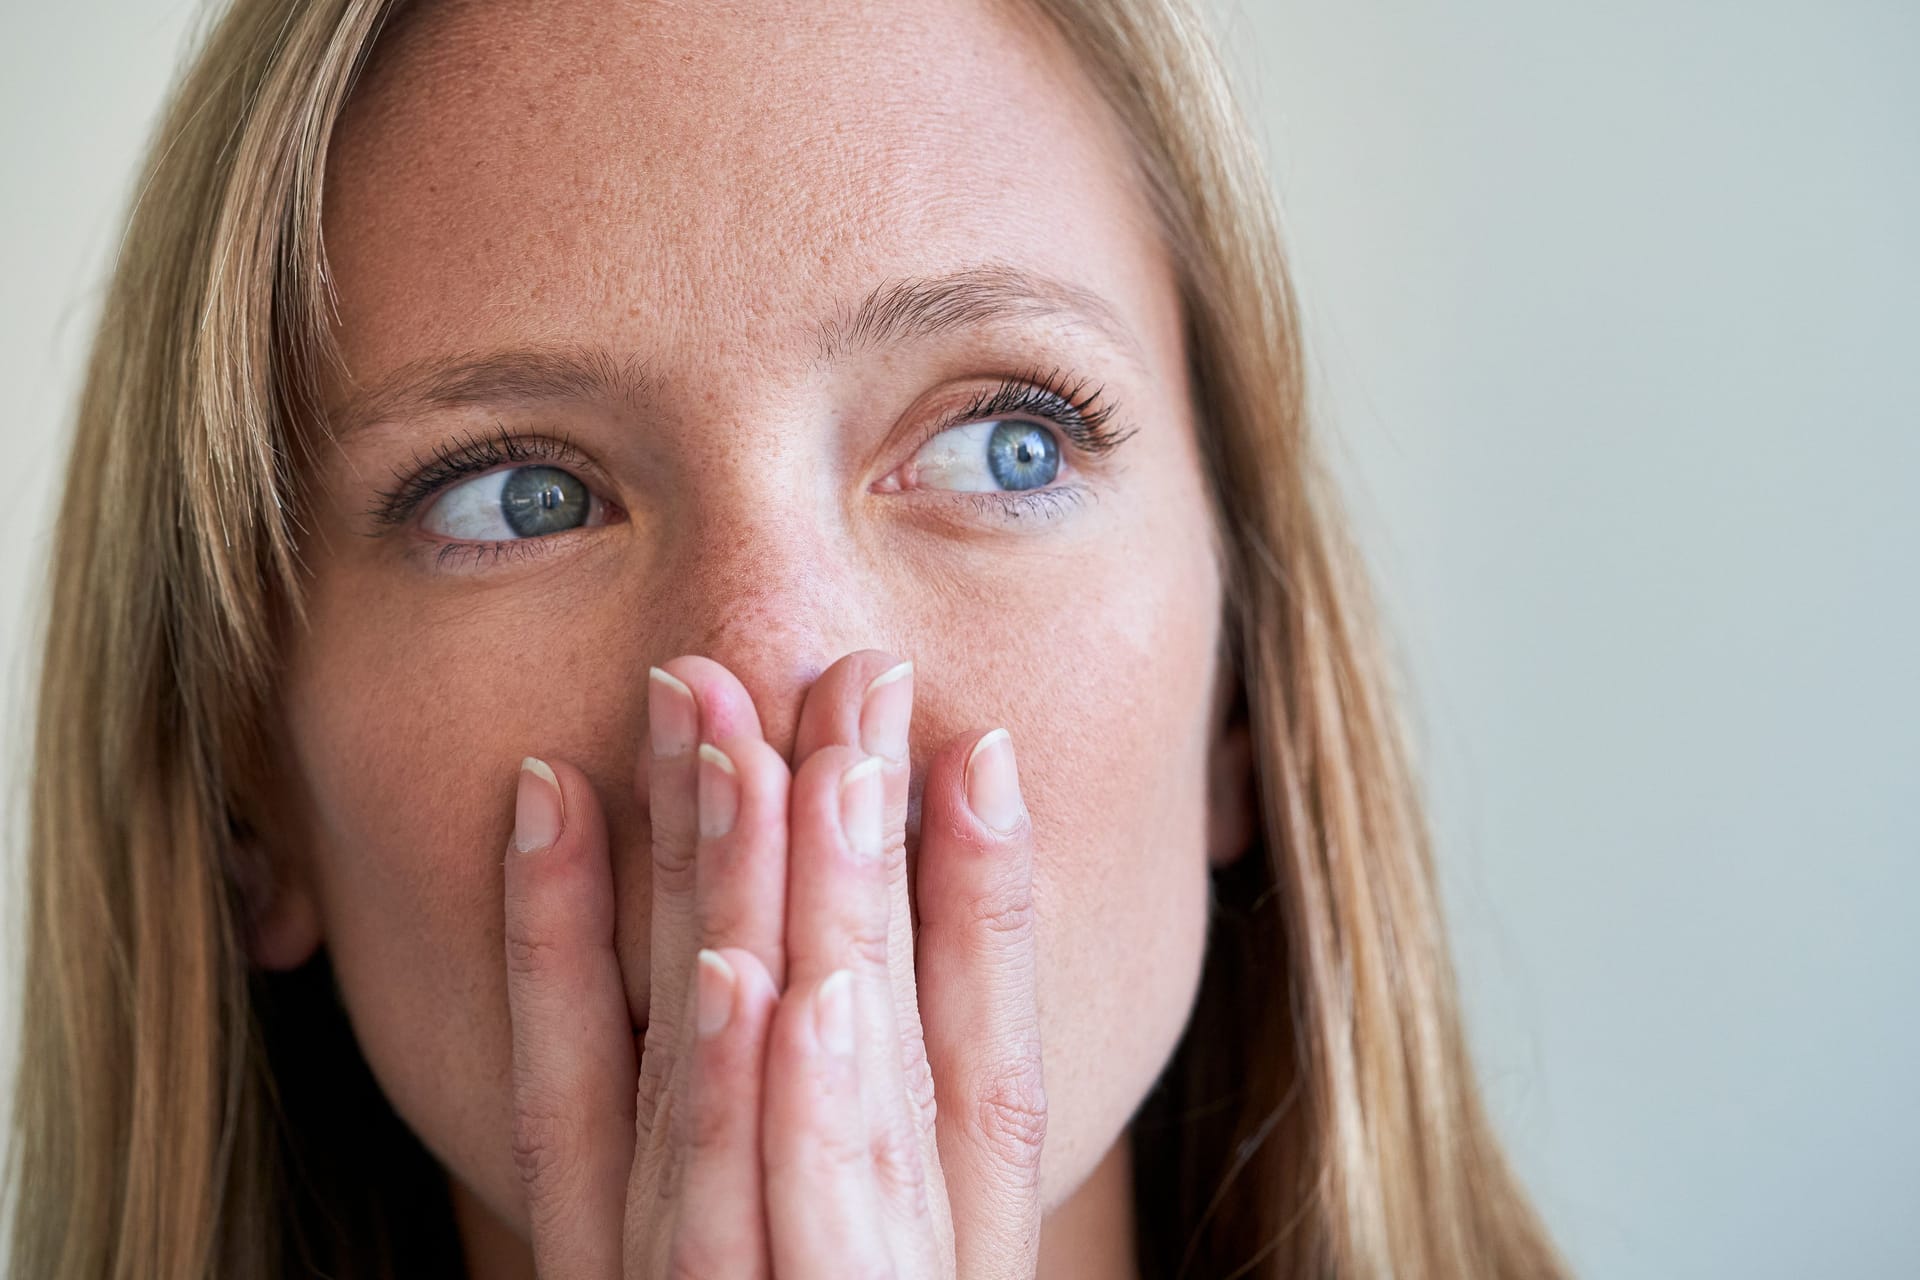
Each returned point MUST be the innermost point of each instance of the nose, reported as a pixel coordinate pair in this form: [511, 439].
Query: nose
[771, 591]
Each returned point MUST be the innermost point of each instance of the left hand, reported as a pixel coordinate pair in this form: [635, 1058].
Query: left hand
[792, 1154]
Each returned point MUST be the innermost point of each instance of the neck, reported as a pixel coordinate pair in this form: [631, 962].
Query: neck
[1087, 1236]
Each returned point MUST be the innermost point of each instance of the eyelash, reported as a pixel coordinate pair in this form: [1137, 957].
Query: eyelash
[1081, 416]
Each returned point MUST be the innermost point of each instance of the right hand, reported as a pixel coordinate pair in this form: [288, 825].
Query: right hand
[651, 1182]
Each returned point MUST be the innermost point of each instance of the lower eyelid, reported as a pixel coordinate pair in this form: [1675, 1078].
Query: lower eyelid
[1014, 505]
[482, 554]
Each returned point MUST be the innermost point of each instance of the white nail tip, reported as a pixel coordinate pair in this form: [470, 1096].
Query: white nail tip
[871, 764]
[715, 756]
[535, 764]
[986, 741]
[669, 679]
[899, 671]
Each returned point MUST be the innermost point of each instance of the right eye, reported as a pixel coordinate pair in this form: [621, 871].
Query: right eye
[503, 506]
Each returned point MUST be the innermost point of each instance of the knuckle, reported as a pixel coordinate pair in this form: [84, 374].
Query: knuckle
[1010, 1114]
[917, 1077]
[895, 1153]
[719, 919]
[705, 1125]
[652, 1097]
[674, 863]
[544, 1146]
[528, 956]
[893, 853]
[1003, 913]
[867, 944]
[838, 1147]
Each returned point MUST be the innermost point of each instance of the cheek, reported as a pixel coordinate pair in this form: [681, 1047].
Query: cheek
[408, 729]
[1104, 682]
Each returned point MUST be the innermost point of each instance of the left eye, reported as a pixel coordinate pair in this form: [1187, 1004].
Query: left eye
[505, 505]
[990, 456]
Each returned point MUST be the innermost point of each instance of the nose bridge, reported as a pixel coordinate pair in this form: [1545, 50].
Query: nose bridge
[763, 589]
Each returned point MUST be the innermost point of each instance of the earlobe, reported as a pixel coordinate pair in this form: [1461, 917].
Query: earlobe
[1232, 802]
[281, 920]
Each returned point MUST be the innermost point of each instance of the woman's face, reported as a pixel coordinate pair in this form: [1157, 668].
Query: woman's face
[653, 232]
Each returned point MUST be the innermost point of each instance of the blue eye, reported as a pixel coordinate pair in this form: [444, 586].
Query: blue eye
[526, 502]
[991, 456]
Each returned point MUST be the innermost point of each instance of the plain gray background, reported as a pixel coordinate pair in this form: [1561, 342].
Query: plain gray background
[1612, 312]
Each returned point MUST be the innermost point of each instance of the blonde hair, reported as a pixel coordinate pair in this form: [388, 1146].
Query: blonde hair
[1320, 1115]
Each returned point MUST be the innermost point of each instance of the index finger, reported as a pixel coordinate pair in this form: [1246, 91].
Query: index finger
[573, 1054]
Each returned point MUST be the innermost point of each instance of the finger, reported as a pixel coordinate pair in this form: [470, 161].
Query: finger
[823, 1211]
[720, 1228]
[686, 698]
[837, 917]
[976, 966]
[573, 1062]
[865, 700]
[740, 879]
[739, 912]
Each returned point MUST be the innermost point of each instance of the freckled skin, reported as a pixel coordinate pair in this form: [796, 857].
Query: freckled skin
[695, 187]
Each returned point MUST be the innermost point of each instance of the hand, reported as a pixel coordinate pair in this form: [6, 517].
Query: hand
[764, 1128]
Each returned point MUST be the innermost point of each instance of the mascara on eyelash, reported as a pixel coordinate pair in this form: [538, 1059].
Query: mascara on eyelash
[1082, 417]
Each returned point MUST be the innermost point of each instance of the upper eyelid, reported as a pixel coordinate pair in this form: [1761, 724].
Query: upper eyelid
[1103, 419]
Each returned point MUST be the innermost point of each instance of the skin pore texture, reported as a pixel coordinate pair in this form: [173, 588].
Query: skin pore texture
[655, 208]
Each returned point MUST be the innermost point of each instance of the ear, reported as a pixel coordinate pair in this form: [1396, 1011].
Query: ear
[282, 916]
[1231, 797]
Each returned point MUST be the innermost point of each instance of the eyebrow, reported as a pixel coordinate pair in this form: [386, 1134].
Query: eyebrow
[894, 312]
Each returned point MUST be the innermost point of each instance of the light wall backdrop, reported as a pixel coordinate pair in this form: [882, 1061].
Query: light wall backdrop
[1612, 312]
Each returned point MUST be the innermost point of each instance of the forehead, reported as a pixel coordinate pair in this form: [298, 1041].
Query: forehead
[715, 177]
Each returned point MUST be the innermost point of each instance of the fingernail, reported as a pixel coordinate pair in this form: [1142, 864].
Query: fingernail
[713, 997]
[860, 800]
[993, 784]
[718, 792]
[885, 709]
[673, 717]
[536, 806]
[833, 1013]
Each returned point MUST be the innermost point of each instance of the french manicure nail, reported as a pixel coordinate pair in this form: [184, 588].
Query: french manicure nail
[536, 806]
[673, 717]
[717, 792]
[860, 801]
[833, 1013]
[713, 996]
[993, 784]
[885, 709]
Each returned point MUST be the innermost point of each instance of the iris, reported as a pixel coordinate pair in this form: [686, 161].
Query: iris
[1022, 455]
[537, 500]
